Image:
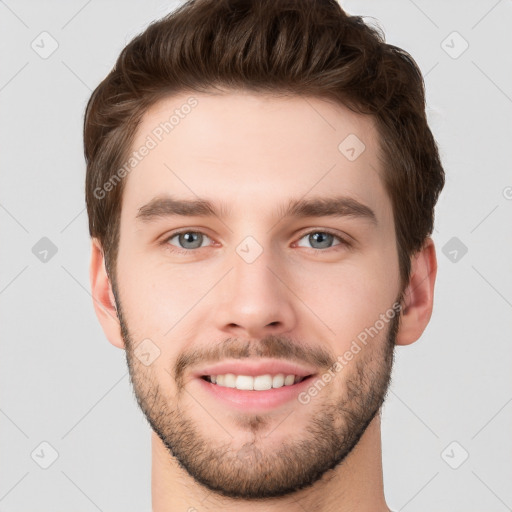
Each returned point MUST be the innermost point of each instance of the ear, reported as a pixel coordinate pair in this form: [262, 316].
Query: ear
[419, 295]
[103, 297]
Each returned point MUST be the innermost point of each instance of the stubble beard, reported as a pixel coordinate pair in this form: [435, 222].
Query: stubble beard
[255, 470]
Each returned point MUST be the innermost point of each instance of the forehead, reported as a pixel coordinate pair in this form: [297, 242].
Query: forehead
[252, 150]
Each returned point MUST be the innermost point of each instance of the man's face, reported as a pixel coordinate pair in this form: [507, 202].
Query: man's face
[255, 294]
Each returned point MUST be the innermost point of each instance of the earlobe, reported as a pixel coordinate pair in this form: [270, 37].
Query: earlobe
[419, 295]
[103, 297]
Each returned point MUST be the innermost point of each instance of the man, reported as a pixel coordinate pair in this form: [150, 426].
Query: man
[261, 183]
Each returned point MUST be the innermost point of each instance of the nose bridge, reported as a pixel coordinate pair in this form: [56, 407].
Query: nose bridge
[254, 300]
[252, 262]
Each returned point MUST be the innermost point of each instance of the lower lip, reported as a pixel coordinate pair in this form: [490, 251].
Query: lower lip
[248, 401]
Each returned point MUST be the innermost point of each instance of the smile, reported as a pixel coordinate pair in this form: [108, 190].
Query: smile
[254, 383]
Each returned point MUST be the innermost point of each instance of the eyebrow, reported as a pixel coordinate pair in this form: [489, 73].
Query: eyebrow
[340, 206]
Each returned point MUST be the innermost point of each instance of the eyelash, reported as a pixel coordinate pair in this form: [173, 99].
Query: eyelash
[174, 249]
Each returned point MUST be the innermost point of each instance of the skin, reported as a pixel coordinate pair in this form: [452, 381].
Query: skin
[254, 153]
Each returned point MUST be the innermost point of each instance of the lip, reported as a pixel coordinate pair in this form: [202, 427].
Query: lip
[254, 368]
[252, 401]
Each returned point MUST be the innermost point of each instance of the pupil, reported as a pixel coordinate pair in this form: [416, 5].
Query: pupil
[190, 237]
[321, 238]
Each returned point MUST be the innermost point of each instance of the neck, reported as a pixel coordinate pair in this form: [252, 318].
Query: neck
[356, 484]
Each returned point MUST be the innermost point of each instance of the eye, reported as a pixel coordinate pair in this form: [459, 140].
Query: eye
[322, 239]
[187, 240]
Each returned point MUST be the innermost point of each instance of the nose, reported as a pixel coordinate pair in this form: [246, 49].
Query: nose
[256, 299]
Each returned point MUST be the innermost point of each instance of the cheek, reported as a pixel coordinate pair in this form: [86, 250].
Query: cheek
[159, 302]
[350, 296]
[146, 296]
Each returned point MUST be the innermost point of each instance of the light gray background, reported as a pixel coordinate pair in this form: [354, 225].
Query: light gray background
[62, 382]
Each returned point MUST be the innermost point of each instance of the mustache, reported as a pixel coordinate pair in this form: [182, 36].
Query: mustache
[271, 346]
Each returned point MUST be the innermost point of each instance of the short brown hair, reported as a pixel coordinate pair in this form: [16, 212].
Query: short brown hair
[291, 47]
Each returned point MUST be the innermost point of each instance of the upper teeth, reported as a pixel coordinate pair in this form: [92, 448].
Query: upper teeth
[258, 383]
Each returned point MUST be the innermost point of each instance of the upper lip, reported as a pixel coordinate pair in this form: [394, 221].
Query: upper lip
[255, 367]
